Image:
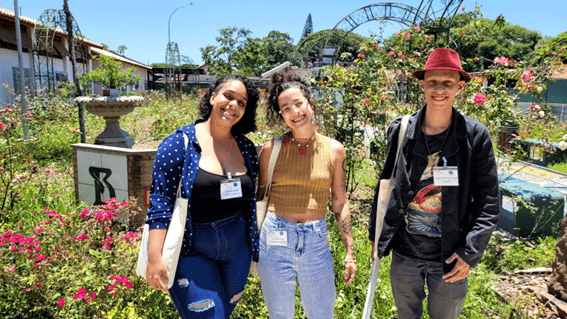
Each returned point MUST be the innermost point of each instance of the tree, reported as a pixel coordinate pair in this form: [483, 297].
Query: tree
[308, 28]
[277, 48]
[555, 48]
[121, 49]
[104, 46]
[224, 58]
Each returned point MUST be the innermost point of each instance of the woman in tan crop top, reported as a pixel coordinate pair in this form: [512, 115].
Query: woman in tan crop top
[310, 169]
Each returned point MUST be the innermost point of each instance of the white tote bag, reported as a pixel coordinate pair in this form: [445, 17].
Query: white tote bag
[385, 191]
[262, 205]
[173, 238]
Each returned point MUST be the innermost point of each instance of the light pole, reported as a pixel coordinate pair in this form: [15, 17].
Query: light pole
[168, 22]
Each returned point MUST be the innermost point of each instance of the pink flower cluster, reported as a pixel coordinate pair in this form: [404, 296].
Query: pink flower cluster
[81, 294]
[479, 98]
[502, 60]
[104, 216]
[130, 235]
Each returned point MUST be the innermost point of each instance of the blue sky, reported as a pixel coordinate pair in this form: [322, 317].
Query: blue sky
[142, 25]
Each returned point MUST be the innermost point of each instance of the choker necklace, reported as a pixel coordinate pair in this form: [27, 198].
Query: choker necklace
[303, 150]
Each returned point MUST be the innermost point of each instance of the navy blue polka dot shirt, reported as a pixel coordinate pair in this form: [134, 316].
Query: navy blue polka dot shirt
[173, 164]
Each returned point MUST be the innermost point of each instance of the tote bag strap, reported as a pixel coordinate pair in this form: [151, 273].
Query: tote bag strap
[186, 139]
[403, 128]
[273, 159]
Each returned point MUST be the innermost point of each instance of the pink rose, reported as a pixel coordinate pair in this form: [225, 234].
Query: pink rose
[479, 99]
[361, 56]
[526, 76]
[61, 302]
[383, 89]
[391, 53]
[428, 37]
[366, 101]
[408, 36]
[416, 28]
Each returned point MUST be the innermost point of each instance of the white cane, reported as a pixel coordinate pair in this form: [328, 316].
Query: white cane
[385, 191]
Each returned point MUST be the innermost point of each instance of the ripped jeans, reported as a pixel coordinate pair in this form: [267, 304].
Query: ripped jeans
[210, 282]
[306, 259]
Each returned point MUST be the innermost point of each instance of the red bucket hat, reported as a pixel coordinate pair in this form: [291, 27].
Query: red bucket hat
[443, 59]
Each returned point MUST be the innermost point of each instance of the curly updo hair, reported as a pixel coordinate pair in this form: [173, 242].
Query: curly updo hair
[247, 123]
[280, 82]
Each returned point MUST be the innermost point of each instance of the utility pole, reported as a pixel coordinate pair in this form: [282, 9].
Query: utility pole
[71, 40]
[25, 122]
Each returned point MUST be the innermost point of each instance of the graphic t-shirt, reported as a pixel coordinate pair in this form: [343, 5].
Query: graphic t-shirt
[419, 235]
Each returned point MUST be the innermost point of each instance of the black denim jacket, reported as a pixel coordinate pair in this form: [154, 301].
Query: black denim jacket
[470, 211]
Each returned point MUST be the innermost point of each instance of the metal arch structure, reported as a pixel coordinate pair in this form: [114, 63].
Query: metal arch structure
[301, 47]
[43, 47]
[401, 13]
[389, 11]
[172, 65]
[433, 21]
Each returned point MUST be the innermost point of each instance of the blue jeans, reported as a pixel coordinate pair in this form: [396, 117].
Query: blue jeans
[408, 277]
[306, 259]
[210, 282]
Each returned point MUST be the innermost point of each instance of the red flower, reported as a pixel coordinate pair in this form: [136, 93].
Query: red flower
[366, 101]
[61, 302]
[479, 99]
[361, 56]
[463, 9]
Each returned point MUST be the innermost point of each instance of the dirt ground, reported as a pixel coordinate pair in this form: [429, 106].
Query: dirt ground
[519, 289]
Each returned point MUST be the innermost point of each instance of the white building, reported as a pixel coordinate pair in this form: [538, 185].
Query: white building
[62, 70]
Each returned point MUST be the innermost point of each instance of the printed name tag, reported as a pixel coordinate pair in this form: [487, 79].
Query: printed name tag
[446, 176]
[230, 188]
[277, 238]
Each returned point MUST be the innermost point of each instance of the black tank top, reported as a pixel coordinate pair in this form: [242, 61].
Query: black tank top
[206, 203]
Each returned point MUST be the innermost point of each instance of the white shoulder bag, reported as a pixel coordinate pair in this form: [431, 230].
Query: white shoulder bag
[173, 238]
[385, 191]
[262, 205]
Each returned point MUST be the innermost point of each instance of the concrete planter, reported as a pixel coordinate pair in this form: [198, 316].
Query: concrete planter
[111, 109]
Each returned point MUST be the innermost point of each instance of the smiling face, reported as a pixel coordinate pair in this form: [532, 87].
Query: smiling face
[229, 104]
[440, 88]
[295, 109]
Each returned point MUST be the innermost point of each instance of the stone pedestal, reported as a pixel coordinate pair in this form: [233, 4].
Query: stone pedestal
[557, 284]
[111, 109]
[104, 172]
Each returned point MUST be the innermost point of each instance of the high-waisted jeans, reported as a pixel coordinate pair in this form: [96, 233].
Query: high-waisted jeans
[210, 282]
[307, 259]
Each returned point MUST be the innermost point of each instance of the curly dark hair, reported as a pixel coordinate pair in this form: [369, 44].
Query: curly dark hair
[247, 123]
[280, 82]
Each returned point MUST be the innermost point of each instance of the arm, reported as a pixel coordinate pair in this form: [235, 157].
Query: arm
[264, 163]
[341, 209]
[165, 180]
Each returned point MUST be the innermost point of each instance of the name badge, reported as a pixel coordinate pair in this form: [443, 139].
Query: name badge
[277, 238]
[230, 188]
[446, 176]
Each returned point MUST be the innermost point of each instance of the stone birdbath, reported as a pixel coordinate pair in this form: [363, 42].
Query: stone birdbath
[111, 109]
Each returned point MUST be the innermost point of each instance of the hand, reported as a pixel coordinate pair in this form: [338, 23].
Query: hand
[350, 271]
[372, 254]
[460, 271]
[156, 275]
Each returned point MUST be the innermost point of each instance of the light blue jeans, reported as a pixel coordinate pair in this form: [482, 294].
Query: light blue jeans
[409, 276]
[306, 259]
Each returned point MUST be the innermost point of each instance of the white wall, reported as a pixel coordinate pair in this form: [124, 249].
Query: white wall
[9, 59]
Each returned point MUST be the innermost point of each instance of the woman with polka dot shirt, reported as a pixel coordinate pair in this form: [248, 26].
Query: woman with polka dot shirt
[217, 172]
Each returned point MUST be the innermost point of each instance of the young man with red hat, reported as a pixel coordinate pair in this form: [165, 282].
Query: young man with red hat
[445, 202]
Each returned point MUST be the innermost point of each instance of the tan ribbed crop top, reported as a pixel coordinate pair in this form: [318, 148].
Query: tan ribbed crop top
[301, 182]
